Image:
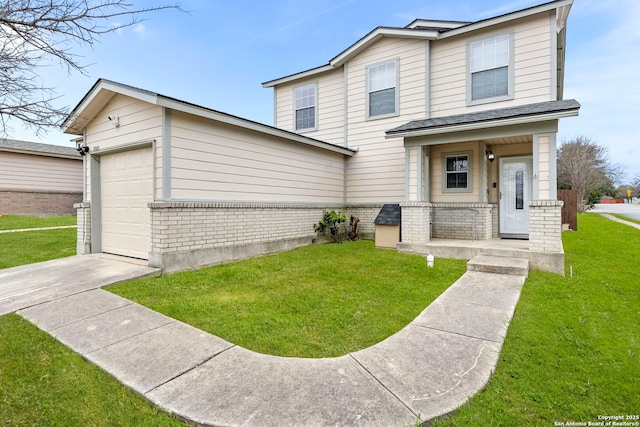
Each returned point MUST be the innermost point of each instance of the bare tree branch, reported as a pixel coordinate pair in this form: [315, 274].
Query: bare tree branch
[584, 166]
[33, 32]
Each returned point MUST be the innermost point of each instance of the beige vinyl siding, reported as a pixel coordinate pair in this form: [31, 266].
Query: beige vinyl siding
[139, 121]
[20, 171]
[376, 172]
[532, 67]
[329, 105]
[437, 167]
[544, 167]
[214, 161]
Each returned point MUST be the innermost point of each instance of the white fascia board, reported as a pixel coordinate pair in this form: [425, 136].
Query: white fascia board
[507, 18]
[40, 153]
[485, 124]
[378, 34]
[97, 90]
[250, 125]
[436, 24]
[297, 76]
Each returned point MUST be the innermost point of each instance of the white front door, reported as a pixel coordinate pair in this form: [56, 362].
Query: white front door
[516, 187]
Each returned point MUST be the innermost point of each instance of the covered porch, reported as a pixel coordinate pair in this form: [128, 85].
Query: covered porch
[485, 184]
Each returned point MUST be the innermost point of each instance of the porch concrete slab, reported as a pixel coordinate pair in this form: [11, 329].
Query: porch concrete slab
[488, 289]
[108, 328]
[150, 359]
[472, 320]
[432, 372]
[240, 387]
[65, 311]
[32, 284]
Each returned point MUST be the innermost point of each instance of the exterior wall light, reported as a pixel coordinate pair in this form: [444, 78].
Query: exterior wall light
[490, 156]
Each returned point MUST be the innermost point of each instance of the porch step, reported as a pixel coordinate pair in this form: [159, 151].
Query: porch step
[499, 265]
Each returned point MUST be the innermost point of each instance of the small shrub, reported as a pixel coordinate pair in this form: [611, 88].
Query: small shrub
[331, 222]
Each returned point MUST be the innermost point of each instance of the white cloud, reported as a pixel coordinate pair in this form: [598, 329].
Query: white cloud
[140, 30]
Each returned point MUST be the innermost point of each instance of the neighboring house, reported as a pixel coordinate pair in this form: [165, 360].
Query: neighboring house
[454, 121]
[39, 179]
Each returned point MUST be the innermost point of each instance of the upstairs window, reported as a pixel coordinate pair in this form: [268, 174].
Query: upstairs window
[305, 107]
[490, 68]
[382, 94]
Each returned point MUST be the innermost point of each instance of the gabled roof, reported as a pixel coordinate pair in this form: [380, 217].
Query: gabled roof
[550, 110]
[426, 30]
[37, 148]
[104, 90]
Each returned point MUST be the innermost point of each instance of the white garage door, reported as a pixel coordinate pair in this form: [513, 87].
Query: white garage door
[126, 180]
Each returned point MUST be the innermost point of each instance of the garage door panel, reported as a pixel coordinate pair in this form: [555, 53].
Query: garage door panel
[127, 188]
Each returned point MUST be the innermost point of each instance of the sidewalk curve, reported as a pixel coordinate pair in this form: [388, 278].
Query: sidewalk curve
[429, 368]
[621, 221]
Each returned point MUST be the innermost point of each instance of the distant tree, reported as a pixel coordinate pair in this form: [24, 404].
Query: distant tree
[33, 32]
[584, 166]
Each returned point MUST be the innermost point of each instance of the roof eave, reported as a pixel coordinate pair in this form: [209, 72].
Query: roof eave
[558, 4]
[297, 76]
[177, 105]
[484, 124]
[378, 34]
[40, 153]
[101, 91]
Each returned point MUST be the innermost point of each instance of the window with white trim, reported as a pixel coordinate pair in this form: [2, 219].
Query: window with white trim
[305, 107]
[382, 84]
[457, 172]
[490, 63]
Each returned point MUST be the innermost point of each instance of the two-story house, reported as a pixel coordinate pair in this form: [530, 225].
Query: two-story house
[455, 122]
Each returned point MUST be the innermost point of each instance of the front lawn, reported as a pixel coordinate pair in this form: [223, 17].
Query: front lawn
[18, 222]
[43, 383]
[572, 351]
[27, 247]
[316, 301]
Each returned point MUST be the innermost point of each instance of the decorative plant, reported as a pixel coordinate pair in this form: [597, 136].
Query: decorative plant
[331, 221]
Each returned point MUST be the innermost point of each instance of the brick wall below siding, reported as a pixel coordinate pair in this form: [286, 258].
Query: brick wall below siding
[23, 202]
[545, 226]
[187, 235]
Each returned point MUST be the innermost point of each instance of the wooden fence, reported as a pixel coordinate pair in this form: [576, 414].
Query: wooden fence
[570, 208]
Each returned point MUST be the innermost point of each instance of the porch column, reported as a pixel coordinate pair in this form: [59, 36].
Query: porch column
[545, 171]
[416, 223]
[545, 234]
[83, 240]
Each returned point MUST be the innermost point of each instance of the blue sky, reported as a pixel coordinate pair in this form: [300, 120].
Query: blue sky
[219, 54]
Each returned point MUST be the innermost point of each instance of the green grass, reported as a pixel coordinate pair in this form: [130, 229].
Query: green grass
[43, 383]
[35, 246]
[28, 247]
[17, 222]
[572, 351]
[317, 301]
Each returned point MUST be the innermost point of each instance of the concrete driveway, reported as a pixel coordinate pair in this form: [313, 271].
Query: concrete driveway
[27, 285]
[629, 210]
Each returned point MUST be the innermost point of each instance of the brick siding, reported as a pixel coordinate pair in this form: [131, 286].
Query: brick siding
[545, 226]
[26, 202]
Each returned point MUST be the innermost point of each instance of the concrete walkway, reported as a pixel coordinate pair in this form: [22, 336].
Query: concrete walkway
[22, 230]
[621, 221]
[33, 284]
[429, 368]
